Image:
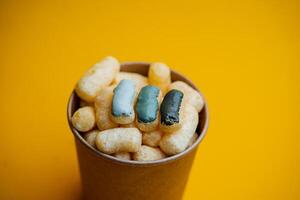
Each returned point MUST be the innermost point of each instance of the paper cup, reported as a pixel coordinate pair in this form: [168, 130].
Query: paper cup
[109, 178]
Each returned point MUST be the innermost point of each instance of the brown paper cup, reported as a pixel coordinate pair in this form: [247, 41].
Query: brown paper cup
[109, 178]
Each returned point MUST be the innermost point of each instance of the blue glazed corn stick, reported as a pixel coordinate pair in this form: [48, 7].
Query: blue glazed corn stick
[122, 111]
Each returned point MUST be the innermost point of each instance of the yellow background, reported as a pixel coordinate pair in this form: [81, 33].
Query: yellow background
[243, 55]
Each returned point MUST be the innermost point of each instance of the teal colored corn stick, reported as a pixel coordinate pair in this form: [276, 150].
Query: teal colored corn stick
[147, 104]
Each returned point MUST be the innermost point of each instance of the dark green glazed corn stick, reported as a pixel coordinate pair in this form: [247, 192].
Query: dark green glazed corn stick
[147, 108]
[170, 111]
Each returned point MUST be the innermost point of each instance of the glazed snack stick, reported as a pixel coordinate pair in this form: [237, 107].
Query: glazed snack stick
[119, 140]
[178, 141]
[84, 119]
[138, 79]
[122, 111]
[159, 75]
[147, 108]
[148, 153]
[170, 111]
[123, 155]
[90, 137]
[97, 77]
[152, 138]
[191, 96]
[103, 109]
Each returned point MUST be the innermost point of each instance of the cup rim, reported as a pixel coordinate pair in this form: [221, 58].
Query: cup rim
[166, 160]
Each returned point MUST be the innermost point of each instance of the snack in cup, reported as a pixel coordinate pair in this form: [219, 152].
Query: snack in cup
[159, 75]
[84, 119]
[133, 117]
[176, 142]
[90, 137]
[171, 111]
[97, 77]
[152, 138]
[147, 153]
[123, 155]
[118, 140]
[122, 108]
[103, 109]
[147, 108]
